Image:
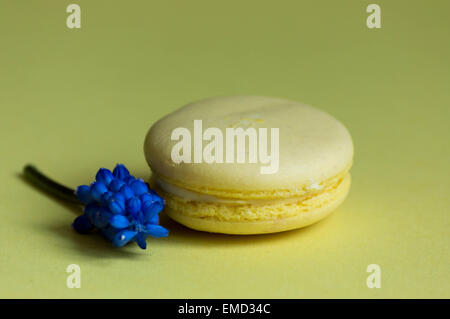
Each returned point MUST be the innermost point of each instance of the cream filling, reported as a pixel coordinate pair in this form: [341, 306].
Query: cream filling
[188, 195]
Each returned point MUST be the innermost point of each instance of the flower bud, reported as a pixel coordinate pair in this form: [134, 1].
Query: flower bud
[104, 175]
[83, 193]
[97, 190]
[116, 184]
[128, 180]
[121, 172]
[151, 209]
[102, 217]
[127, 192]
[82, 224]
[119, 221]
[133, 205]
[106, 197]
[116, 204]
[123, 237]
[139, 187]
[156, 231]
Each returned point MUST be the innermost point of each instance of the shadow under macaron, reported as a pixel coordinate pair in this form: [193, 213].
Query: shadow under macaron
[182, 235]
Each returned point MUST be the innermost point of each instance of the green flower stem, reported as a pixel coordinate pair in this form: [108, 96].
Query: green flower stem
[34, 176]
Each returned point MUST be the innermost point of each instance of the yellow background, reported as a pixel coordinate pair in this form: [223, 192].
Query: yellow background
[75, 100]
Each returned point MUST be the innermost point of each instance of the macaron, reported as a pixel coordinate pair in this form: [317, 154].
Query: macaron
[249, 164]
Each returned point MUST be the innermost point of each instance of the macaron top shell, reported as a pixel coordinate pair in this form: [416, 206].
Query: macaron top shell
[313, 146]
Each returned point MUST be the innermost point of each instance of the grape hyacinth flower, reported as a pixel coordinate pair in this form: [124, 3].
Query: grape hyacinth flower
[120, 206]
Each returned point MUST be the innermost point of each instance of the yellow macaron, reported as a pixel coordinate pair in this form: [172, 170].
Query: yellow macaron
[249, 164]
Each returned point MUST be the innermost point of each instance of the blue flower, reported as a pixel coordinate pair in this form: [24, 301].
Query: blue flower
[121, 206]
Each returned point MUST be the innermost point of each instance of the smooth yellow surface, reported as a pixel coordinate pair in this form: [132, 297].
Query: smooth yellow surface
[74, 100]
[312, 147]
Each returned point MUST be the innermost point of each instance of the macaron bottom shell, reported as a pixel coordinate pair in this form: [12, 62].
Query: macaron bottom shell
[308, 212]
